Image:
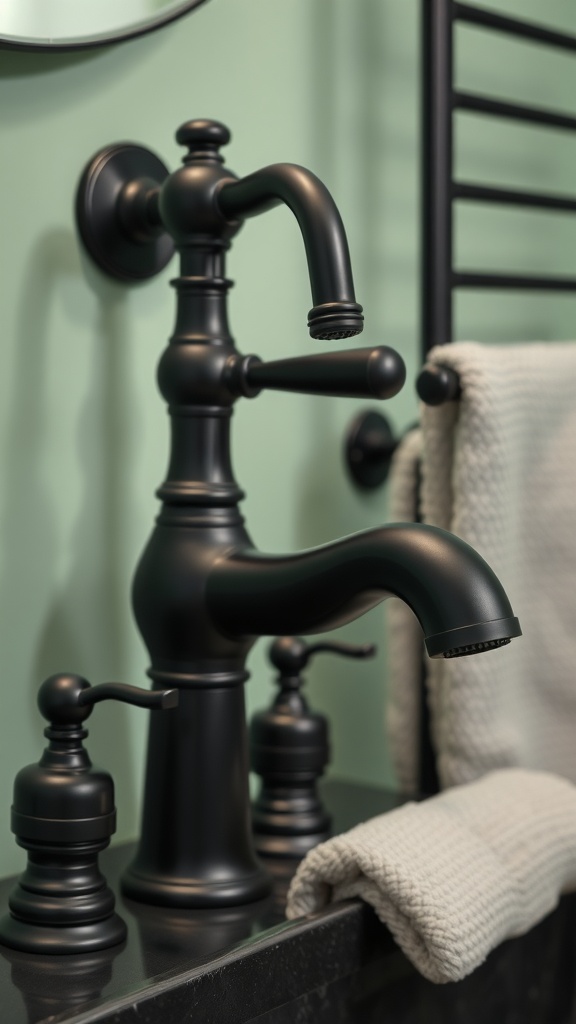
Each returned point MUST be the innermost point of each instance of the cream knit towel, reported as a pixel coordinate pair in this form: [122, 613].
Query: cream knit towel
[454, 876]
[499, 470]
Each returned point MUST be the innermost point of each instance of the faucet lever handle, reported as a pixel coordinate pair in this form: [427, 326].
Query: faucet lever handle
[355, 373]
[67, 699]
[135, 695]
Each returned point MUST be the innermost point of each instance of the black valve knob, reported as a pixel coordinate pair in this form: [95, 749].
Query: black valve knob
[203, 137]
[289, 748]
[438, 384]
[63, 813]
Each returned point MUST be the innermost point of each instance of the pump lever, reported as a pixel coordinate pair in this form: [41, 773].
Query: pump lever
[66, 699]
[151, 699]
[291, 654]
[355, 373]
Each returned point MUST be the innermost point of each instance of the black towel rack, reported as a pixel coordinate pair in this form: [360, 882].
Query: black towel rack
[440, 190]
[439, 278]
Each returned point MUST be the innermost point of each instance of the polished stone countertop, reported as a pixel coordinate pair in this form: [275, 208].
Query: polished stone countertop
[246, 964]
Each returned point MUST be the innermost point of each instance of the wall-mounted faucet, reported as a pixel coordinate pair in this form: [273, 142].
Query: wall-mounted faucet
[202, 593]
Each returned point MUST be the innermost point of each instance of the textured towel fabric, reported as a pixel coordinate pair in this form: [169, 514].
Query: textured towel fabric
[499, 470]
[454, 876]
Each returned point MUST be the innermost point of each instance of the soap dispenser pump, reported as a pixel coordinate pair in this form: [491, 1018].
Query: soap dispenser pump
[289, 749]
[63, 814]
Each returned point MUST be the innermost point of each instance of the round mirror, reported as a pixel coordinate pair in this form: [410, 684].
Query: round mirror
[76, 24]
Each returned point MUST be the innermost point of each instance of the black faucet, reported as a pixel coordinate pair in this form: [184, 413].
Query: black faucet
[202, 592]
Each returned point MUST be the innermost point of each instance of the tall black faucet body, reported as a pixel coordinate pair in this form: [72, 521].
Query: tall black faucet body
[202, 593]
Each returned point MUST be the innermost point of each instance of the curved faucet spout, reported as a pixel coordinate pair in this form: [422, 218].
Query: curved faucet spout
[336, 314]
[459, 602]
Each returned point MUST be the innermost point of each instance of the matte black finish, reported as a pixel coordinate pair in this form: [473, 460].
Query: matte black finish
[513, 26]
[357, 373]
[368, 449]
[117, 212]
[440, 191]
[512, 111]
[336, 314]
[438, 384]
[513, 197]
[117, 209]
[64, 814]
[202, 594]
[290, 749]
[520, 282]
[247, 964]
[437, 156]
[450, 588]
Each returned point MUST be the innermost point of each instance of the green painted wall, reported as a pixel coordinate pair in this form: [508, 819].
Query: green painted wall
[332, 84]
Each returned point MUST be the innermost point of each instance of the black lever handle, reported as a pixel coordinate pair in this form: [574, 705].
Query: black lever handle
[291, 654]
[68, 699]
[135, 695]
[355, 373]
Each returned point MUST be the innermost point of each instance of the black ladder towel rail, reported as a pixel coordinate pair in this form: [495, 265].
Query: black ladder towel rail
[440, 279]
[441, 190]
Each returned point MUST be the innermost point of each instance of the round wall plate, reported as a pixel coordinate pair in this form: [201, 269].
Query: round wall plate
[369, 446]
[118, 253]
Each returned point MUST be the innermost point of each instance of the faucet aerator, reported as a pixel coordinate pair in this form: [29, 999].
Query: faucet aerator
[334, 321]
[483, 636]
[463, 652]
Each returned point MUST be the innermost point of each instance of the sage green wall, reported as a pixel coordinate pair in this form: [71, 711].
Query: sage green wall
[332, 84]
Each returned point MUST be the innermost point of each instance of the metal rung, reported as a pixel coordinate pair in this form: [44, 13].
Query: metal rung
[516, 111]
[512, 197]
[511, 26]
[471, 279]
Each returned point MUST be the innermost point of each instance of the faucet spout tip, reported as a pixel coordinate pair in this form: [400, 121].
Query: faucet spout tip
[332, 321]
[482, 636]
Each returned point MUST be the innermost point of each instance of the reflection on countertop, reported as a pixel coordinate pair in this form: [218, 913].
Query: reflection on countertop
[229, 966]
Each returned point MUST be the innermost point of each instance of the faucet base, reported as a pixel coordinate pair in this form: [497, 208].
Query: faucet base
[167, 891]
[196, 847]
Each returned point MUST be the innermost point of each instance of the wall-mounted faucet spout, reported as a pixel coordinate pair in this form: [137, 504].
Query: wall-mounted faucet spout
[459, 602]
[202, 593]
[336, 314]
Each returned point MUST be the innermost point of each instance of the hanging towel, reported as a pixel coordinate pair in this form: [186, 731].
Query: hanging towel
[454, 876]
[498, 468]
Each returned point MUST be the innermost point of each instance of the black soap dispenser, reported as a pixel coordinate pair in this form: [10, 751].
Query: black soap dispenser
[289, 749]
[63, 814]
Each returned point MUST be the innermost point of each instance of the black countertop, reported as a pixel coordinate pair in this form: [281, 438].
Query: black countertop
[238, 965]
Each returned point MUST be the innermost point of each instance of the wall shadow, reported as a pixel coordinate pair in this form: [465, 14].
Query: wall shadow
[85, 606]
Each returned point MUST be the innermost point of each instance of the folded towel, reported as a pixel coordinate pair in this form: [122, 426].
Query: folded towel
[454, 876]
[498, 469]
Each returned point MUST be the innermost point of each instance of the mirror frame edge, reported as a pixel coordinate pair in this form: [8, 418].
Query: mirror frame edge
[93, 42]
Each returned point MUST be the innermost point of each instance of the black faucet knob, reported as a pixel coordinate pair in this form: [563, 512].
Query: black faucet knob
[203, 139]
